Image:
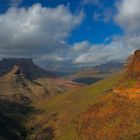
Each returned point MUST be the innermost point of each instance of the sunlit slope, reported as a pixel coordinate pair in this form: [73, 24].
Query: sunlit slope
[116, 116]
[17, 88]
[61, 114]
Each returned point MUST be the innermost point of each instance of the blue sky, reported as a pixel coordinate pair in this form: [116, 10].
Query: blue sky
[82, 32]
[95, 31]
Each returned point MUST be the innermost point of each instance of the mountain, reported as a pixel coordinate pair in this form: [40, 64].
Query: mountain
[21, 84]
[108, 109]
[90, 75]
[116, 115]
[133, 71]
[23, 81]
[60, 116]
[15, 86]
[28, 67]
[110, 67]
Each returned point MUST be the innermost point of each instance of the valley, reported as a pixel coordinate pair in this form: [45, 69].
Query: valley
[56, 108]
[69, 69]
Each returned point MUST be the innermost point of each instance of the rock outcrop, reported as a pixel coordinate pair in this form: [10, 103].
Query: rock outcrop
[133, 68]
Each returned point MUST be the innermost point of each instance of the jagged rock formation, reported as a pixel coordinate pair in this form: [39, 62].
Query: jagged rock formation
[23, 81]
[15, 86]
[133, 68]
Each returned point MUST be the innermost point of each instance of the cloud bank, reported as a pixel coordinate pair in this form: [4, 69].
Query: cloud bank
[120, 47]
[128, 18]
[42, 33]
[37, 30]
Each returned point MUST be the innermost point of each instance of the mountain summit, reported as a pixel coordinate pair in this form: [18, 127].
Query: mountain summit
[21, 80]
[27, 66]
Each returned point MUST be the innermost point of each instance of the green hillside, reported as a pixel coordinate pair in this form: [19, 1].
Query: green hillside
[58, 116]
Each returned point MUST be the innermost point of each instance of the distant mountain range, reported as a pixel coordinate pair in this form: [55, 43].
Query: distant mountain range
[70, 69]
[89, 75]
[109, 67]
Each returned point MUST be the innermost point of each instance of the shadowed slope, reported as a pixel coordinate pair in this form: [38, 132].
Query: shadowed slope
[12, 116]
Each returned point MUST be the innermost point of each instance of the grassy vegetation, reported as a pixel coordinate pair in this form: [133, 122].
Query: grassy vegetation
[62, 111]
[129, 83]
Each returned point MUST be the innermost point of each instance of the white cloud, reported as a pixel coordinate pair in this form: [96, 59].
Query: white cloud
[98, 54]
[82, 46]
[128, 16]
[120, 47]
[36, 31]
[41, 33]
[118, 50]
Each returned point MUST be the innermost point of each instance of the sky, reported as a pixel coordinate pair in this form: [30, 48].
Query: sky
[68, 32]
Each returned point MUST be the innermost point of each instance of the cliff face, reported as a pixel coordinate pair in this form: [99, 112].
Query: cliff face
[133, 68]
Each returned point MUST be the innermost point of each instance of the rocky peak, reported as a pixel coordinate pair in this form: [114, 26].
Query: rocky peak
[24, 65]
[133, 69]
[16, 70]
